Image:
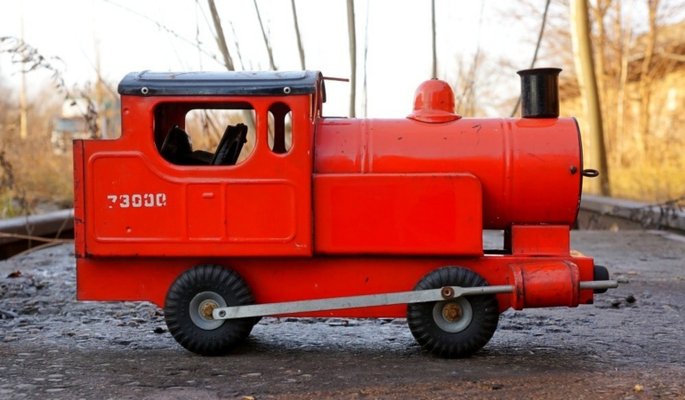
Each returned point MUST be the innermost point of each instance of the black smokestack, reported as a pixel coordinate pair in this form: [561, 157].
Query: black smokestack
[540, 92]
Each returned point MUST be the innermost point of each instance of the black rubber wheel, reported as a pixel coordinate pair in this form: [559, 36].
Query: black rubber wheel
[456, 328]
[601, 273]
[188, 308]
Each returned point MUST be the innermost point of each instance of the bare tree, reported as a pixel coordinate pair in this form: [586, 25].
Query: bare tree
[537, 50]
[352, 35]
[300, 48]
[466, 102]
[26, 181]
[32, 60]
[166, 29]
[647, 74]
[621, 44]
[220, 38]
[365, 87]
[434, 71]
[582, 49]
[599, 12]
[23, 109]
[223, 48]
[267, 43]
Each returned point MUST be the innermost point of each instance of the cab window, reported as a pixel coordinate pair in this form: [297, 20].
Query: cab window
[280, 128]
[205, 134]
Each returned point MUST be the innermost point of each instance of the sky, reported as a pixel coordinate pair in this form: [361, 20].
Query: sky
[177, 35]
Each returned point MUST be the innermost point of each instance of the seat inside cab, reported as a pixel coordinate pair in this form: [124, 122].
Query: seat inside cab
[196, 135]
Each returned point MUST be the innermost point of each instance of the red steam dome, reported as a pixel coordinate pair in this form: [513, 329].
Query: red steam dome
[434, 102]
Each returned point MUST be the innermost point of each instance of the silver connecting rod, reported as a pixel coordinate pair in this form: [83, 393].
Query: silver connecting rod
[372, 300]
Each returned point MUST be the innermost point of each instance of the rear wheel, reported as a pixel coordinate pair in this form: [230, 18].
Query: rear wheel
[189, 305]
[454, 328]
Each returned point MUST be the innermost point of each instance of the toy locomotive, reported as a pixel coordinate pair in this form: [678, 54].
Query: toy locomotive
[330, 216]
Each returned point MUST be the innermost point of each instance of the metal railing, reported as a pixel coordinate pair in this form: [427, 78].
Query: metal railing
[19, 234]
[666, 215]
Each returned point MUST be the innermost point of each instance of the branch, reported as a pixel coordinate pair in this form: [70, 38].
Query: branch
[166, 29]
[267, 43]
[25, 54]
[300, 48]
[535, 54]
[220, 38]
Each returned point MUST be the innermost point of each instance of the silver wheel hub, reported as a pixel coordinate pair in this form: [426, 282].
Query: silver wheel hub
[201, 308]
[453, 316]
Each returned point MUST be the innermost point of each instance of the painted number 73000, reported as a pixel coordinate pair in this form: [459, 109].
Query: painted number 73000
[137, 200]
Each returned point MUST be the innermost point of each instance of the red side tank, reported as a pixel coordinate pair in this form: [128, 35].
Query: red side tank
[529, 168]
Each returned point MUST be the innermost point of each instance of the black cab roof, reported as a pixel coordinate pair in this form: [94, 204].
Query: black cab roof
[263, 83]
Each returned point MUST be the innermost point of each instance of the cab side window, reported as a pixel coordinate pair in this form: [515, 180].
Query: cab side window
[280, 128]
[205, 134]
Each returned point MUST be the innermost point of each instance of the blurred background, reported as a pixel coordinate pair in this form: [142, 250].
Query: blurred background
[623, 72]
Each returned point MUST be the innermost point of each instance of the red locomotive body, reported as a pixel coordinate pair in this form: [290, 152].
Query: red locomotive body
[329, 216]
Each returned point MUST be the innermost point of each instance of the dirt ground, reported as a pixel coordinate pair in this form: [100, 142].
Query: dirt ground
[630, 344]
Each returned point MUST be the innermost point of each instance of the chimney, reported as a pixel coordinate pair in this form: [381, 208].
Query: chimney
[540, 92]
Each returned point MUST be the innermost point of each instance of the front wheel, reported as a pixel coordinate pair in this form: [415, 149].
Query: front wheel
[189, 305]
[454, 328]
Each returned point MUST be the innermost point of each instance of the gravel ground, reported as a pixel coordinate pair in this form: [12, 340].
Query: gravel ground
[629, 344]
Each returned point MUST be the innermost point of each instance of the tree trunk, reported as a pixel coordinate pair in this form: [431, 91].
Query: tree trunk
[223, 48]
[600, 11]
[365, 87]
[300, 48]
[646, 78]
[220, 38]
[434, 73]
[622, 52]
[582, 50]
[352, 35]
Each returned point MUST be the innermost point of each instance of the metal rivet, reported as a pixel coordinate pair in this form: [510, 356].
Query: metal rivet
[447, 292]
[286, 90]
[144, 90]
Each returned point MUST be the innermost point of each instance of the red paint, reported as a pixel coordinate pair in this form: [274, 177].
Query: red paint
[355, 206]
[434, 103]
[540, 240]
[524, 165]
[274, 188]
[546, 283]
[286, 279]
[398, 214]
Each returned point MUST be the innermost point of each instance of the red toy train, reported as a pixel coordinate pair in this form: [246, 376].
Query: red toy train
[320, 216]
